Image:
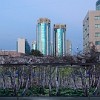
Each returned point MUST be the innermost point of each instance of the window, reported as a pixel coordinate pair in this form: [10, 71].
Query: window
[88, 35]
[97, 42]
[97, 25]
[97, 34]
[88, 18]
[97, 18]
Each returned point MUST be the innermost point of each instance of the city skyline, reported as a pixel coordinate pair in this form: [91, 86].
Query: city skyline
[18, 19]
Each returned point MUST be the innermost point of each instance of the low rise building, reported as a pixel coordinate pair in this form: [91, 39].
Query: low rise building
[23, 46]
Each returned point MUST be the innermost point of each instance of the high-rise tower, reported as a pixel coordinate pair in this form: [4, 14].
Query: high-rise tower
[68, 47]
[43, 36]
[98, 5]
[34, 45]
[59, 40]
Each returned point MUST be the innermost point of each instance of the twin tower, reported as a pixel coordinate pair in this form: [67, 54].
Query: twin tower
[43, 38]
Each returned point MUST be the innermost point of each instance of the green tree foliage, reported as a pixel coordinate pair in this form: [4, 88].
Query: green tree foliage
[36, 53]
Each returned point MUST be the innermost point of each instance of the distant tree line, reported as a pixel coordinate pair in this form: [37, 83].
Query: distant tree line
[36, 53]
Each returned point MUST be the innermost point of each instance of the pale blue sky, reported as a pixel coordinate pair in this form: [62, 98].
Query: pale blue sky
[18, 18]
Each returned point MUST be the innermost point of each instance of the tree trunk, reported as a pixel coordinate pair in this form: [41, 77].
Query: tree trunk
[97, 89]
[50, 81]
[4, 82]
[73, 76]
[14, 79]
[44, 77]
[57, 83]
[26, 87]
[30, 76]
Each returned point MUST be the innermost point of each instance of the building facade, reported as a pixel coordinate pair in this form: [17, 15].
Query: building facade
[23, 46]
[34, 45]
[59, 40]
[43, 36]
[98, 5]
[91, 30]
[68, 47]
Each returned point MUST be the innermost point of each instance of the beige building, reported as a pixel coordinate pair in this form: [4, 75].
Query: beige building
[21, 45]
[91, 30]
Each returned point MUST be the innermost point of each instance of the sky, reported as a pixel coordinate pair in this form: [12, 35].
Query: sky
[18, 19]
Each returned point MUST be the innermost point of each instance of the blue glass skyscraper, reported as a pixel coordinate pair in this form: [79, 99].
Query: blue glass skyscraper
[43, 36]
[59, 40]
